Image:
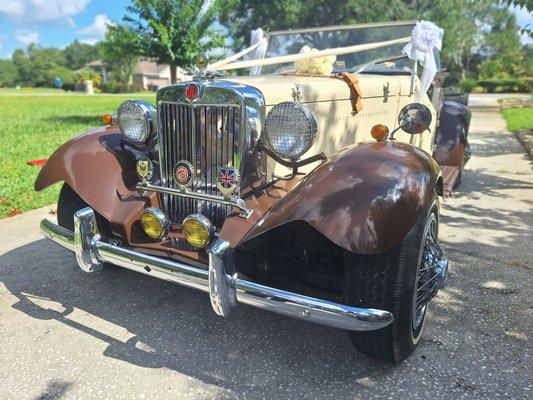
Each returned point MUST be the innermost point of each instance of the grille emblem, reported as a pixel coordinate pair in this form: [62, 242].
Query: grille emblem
[191, 91]
[228, 180]
[144, 169]
[183, 174]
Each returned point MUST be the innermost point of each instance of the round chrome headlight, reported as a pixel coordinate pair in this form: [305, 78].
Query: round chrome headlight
[137, 121]
[290, 129]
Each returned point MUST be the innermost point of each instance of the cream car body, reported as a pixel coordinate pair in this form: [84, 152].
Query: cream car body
[330, 99]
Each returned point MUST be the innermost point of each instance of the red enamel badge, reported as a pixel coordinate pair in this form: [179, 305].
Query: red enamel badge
[191, 91]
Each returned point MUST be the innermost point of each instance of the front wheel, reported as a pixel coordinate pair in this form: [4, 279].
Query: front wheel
[68, 203]
[401, 281]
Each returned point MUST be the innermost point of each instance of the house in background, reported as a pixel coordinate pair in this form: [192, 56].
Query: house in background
[152, 76]
[147, 73]
[99, 66]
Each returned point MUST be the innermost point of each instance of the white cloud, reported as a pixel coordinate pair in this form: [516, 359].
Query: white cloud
[26, 36]
[51, 12]
[3, 41]
[96, 31]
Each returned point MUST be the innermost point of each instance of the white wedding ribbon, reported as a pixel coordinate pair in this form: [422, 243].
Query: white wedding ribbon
[258, 36]
[211, 67]
[425, 38]
[289, 58]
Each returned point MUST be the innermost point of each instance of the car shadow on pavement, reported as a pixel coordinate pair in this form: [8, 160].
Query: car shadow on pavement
[174, 327]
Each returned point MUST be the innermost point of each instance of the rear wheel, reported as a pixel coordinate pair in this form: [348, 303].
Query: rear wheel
[398, 281]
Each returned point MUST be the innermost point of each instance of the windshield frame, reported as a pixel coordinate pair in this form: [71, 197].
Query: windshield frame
[332, 28]
[340, 27]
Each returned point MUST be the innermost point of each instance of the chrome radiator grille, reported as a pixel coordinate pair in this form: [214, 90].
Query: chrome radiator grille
[206, 136]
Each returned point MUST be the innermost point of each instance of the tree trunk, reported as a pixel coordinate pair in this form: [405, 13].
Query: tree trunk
[173, 73]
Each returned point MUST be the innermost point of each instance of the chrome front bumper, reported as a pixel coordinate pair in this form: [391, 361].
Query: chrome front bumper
[219, 280]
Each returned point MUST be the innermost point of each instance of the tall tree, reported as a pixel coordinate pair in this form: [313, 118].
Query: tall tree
[174, 31]
[35, 64]
[502, 48]
[121, 50]
[8, 73]
[244, 15]
[78, 54]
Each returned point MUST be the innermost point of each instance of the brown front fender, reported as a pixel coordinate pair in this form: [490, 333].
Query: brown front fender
[365, 198]
[100, 168]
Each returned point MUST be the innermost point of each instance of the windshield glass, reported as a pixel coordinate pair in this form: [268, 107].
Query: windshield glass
[387, 59]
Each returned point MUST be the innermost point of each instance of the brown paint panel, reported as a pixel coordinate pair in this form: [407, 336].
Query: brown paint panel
[451, 139]
[98, 167]
[365, 199]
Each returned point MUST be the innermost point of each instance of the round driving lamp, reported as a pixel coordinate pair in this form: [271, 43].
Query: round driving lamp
[198, 230]
[379, 132]
[137, 121]
[290, 129]
[155, 223]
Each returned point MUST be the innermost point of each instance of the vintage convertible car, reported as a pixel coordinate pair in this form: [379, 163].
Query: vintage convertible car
[309, 194]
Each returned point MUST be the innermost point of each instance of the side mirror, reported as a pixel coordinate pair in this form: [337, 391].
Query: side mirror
[414, 118]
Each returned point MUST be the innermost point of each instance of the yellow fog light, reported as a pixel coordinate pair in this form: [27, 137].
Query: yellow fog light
[198, 230]
[155, 223]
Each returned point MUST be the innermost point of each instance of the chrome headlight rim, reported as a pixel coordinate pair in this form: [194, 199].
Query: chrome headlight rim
[206, 223]
[313, 129]
[149, 114]
[162, 218]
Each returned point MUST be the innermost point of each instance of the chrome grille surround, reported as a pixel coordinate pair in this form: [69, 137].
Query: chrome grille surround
[209, 131]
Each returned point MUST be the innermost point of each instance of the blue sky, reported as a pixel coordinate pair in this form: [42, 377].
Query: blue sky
[58, 22]
[54, 22]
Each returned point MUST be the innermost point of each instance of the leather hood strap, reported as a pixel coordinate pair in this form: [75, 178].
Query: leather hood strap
[355, 90]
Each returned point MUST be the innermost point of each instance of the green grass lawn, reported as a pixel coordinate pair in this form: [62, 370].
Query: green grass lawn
[518, 118]
[29, 90]
[33, 127]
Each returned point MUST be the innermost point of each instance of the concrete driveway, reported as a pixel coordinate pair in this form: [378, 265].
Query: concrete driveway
[117, 334]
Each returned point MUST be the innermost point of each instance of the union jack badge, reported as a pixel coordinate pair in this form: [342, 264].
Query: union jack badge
[228, 180]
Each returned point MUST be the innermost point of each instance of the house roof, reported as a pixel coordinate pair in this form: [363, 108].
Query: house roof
[95, 63]
[147, 66]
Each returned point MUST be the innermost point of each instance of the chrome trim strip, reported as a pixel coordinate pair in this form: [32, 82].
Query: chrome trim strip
[225, 290]
[239, 203]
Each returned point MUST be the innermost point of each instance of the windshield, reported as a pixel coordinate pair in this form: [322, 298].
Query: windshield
[386, 59]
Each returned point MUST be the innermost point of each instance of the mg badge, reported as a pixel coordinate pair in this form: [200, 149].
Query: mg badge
[183, 174]
[144, 168]
[228, 180]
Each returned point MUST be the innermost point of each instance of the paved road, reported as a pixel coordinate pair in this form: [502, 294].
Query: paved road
[123, 335]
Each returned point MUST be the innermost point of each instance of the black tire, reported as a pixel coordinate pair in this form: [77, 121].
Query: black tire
[387, 281]
[68, 203]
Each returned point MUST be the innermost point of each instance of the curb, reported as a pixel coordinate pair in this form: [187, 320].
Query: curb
[526, 138]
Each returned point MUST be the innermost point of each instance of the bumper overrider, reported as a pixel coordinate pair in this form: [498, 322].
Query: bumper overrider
[225, 288]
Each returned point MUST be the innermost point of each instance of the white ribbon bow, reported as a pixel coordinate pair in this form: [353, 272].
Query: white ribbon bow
[426, 36]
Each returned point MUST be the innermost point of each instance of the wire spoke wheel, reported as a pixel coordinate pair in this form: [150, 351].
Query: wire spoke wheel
[426, 278]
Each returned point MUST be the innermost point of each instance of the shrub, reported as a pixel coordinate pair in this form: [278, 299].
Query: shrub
[117, 87]
[478, 89]
[507, 85]
[67, 76]
[467, 85]
[89, 75]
